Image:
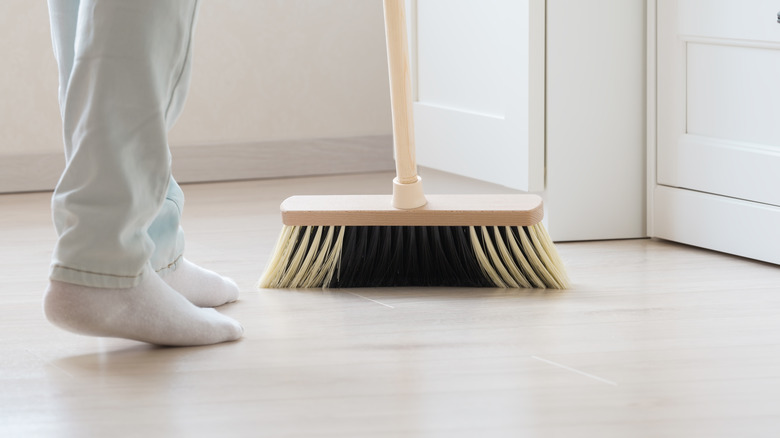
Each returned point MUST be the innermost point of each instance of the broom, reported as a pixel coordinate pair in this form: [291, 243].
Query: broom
[408, 239]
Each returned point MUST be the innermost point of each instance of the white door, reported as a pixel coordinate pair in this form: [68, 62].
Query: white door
[718, 133]
[478, 82]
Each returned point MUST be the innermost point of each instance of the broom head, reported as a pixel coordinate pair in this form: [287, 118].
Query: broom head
[454, 240]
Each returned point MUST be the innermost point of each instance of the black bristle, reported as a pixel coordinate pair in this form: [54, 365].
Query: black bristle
[408, 256]
[459, 243]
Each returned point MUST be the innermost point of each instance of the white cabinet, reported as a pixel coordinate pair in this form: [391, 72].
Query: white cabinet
[717, 179]
[538, 95]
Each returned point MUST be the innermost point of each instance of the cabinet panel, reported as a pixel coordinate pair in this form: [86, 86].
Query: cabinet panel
[718, 100]
[732, 93]
[740, 170]
[754, 20]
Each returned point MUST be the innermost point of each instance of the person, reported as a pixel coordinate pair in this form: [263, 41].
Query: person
[118, 268]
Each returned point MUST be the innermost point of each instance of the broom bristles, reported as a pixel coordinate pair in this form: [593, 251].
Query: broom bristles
[386, 256]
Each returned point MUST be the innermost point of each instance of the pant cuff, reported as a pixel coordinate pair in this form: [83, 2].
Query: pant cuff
[94, 279]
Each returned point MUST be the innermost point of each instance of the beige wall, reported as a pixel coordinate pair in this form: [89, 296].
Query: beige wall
[263, 70]
[29, 116]
[287, 69]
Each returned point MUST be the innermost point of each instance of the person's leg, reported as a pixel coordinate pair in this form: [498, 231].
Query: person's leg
[128, 58]
[200, 286]
[63, 16]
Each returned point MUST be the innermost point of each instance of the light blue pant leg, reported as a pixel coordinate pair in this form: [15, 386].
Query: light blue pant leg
[124, 83]
[166, 233]
[63, 16]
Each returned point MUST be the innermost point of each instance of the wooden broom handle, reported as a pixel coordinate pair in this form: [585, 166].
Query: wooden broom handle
[400, 91]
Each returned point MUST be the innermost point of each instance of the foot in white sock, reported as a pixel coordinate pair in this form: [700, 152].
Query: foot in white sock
[150, 312]
[202, 287]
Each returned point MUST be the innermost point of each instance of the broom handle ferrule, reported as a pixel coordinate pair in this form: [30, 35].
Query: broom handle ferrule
[407, 187]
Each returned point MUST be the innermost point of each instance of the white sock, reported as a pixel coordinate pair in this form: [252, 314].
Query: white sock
[202, 287]
[150, 312]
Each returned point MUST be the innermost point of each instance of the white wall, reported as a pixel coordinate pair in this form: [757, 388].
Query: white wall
[264, 71]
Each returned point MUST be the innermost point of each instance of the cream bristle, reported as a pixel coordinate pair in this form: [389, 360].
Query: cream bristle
[315, 273]
[549, 278]
[550, 256]
[496, 260]
[533, 258]
[297, 258]
[275, 266]
[509, 261]
[520, 257]
[297, 262]
[310, 255]
[483, 260]
[333, 263]
[325, 265]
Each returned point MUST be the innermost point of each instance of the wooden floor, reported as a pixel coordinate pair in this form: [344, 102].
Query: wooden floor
[654, 340]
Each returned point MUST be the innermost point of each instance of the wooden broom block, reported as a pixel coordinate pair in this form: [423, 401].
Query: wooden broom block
[441, 210]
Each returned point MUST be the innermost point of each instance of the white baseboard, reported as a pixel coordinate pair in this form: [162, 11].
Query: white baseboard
[227, 162]
[729, 225]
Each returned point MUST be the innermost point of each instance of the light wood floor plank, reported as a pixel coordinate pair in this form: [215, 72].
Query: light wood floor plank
[655, 339]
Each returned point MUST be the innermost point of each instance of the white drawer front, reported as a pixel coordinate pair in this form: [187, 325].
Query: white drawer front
[753, 20]
[733, 93]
